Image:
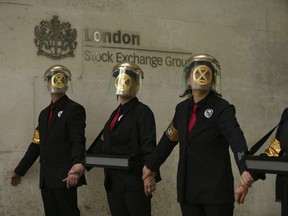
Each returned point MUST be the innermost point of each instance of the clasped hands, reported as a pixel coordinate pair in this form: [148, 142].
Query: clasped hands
[149, 181]
[241, 191]
[74, 174]
[78, 170]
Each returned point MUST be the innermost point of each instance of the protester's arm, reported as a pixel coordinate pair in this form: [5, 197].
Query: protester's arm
[28, 159]
[76, 126]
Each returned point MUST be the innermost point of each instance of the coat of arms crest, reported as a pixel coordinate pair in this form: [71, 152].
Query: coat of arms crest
[54, 39]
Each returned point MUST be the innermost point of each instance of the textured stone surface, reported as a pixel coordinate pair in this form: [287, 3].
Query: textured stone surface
[249, 38]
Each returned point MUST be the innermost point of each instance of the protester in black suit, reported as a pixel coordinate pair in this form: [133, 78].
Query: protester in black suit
[279, 148]
[205, 127]
[59, 140]
[130, 131]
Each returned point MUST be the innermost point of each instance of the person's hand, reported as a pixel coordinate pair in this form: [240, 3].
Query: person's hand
[77, 169]
[146, 172]
[240, 194]
[15, 179]
[149, 185]
[246, 179]
[71, 180]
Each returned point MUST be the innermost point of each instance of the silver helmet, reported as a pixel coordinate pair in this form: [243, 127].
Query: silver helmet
[128, 78]
[204, 71]
[57, 78]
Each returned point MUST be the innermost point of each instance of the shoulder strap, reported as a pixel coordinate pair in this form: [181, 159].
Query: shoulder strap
[92, 146]
[258, 145]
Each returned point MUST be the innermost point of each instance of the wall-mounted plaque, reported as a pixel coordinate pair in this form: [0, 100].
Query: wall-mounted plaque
[54, 39]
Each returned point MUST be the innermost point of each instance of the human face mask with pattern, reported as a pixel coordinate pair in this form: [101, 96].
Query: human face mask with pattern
[201, 77]
[57, 83]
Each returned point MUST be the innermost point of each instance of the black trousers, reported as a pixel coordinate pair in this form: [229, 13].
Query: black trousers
[60, 201]
[207, 209]
[282, 193]
[284, 201]
[125, 194]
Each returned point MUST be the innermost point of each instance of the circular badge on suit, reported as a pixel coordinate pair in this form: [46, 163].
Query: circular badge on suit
[208, 113]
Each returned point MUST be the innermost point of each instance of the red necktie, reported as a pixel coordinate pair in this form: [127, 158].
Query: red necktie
[111, 126]
[193, 118]
[50, 114]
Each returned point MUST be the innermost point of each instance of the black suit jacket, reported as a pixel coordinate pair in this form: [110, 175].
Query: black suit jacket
[62, 144]
[134, 134]
[204, 168]
[282, 137]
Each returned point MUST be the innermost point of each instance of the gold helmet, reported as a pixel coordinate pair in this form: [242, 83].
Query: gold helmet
[205, 71]
[57, 77]
[128, 78]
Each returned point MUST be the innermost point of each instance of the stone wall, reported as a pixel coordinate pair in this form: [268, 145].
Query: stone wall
[249, 38]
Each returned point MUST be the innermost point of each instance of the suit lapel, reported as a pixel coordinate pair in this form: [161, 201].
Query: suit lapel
[57, 113]
[44, 128]
[125, 109]
[195, 127]
[182, 121]
[111, 118]
[198, 125]
[201, 119]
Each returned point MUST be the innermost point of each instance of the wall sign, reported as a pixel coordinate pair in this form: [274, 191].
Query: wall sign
[54, 39]
[104, 46]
